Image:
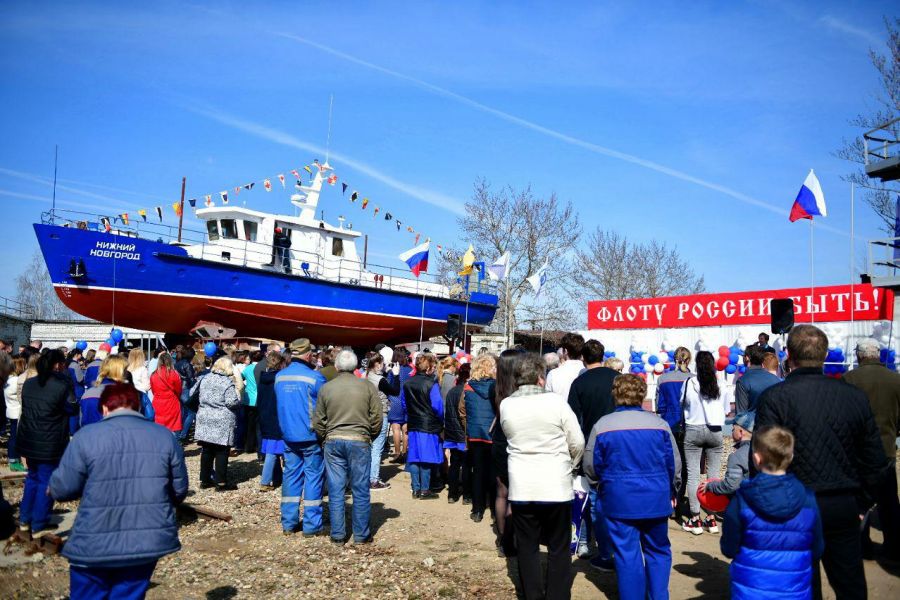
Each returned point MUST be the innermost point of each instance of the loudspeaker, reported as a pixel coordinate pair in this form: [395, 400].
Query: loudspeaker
[782, 310]
[453, 323]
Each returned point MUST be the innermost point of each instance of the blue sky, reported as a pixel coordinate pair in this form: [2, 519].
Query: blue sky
[694, 124]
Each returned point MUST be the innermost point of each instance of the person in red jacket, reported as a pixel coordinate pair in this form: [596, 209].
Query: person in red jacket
[165, 383]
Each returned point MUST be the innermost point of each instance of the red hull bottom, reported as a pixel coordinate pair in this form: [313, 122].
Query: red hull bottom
[179, 314]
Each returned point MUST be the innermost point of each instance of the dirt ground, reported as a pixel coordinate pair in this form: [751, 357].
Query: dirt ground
[422, 549]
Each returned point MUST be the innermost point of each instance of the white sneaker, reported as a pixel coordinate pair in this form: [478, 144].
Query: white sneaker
[711, 524]
[693, 526]
[583, 550]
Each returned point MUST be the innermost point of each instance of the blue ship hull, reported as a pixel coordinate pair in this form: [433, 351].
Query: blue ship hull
[150, 285]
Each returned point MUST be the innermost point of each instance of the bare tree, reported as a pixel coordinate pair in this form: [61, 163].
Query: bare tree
[880, 196]
[35, 288]
[532, 230]
[612, 268]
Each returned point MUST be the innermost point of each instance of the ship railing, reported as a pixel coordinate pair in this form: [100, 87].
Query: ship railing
[16, 309]
[252, 254]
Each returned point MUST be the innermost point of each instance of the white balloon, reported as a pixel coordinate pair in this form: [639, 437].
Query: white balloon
[645, 357]
[648, 368]
[658, 368]
[663, 357]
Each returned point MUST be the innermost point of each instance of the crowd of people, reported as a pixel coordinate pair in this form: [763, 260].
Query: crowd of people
[558, 450]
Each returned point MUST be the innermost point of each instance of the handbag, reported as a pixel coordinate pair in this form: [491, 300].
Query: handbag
[193, 403]
[147, 407]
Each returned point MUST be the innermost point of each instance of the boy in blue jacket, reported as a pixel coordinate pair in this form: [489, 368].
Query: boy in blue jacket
[632, 455]
[772, 528]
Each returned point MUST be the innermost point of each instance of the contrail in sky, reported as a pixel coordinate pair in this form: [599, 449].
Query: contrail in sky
[47, 181]
[590, 146]
[435, 198]
[47, 200]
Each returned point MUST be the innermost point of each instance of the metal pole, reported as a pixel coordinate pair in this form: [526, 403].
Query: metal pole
[812, 277]
[422, 321]
[181, 212]
[365, 251]
[55, 165]
[852, 254]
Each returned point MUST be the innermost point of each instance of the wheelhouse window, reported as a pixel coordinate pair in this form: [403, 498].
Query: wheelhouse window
[212, 228]
[229, 229]
[337, 247]
[250, 230]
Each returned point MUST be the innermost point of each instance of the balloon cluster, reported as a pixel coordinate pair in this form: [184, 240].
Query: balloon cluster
[889, 358]
[643, 363]
[730, 360]
[462, 357]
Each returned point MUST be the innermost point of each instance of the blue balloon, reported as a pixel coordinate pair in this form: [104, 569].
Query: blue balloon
[671, 354]
[781, 354]
[116, 334]
[209, 348]
[653, 359]
[111, 342]
[733, 358]
[610, 354]
[82, 345]
[742, 368]
[730, 369]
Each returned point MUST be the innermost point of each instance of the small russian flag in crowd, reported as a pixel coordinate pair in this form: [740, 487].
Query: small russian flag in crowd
[810, 200]
[417, 259]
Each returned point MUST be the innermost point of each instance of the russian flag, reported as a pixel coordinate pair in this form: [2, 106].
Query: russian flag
[417, 259]
[810, 200]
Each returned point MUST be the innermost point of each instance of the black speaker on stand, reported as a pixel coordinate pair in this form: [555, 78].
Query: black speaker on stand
[782, 310]
[454, 330]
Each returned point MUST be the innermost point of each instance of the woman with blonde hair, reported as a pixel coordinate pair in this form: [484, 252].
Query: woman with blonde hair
[446, 374]
[137, 366]
[476, 411]
[113, 369]
[14, 411]
[216, 420]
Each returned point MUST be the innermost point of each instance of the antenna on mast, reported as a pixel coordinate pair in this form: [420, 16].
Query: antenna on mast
[328, 139]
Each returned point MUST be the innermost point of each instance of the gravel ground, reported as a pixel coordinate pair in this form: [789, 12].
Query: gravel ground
[422, 549]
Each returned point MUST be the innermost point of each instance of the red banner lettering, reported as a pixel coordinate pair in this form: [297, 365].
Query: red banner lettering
[831, 303]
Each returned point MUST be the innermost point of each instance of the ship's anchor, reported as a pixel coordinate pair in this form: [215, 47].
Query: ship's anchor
[77, 270]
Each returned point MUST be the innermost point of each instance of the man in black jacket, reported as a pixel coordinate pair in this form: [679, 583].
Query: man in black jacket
[590, 398]
[837, 453]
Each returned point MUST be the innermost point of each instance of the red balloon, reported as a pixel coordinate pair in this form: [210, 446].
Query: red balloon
[710, 502]
[722, 363]
[104, 347]
[724, 351]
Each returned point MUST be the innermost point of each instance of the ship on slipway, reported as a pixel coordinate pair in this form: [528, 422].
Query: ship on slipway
[141, 275]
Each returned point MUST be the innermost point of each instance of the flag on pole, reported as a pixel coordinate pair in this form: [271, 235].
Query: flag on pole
[417, 259]
[268, 185]
[176, 206]
[539, 278]
[281, 179]
[499, 269]
[224, 197]
[810, 200]
[159, 213]
[468, 261]
[143, 214]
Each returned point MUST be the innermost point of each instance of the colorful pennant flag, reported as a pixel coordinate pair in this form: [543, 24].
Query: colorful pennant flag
[344, 187]
[249, 186]
[159, 213]
[365, 203]
[409, 228]
[124, 217]
[268, 185]
[375, 213]
[237, 190]
[281, 179]
[418, 235]
[296, 173]
[143, 214]
[176, 206]
[193, 202]
[398, 224]
[208, 201]
[307, 169]
[106, 224]
[332, 179]
[354, 196]
[224, 197]
[388, 216]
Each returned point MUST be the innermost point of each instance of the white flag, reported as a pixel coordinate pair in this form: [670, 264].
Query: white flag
[500, 268]
[539, 278]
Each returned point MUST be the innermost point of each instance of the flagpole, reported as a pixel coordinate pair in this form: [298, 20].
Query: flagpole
[812, 276]
[55, 165]
[852, 254]
[181, 212]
